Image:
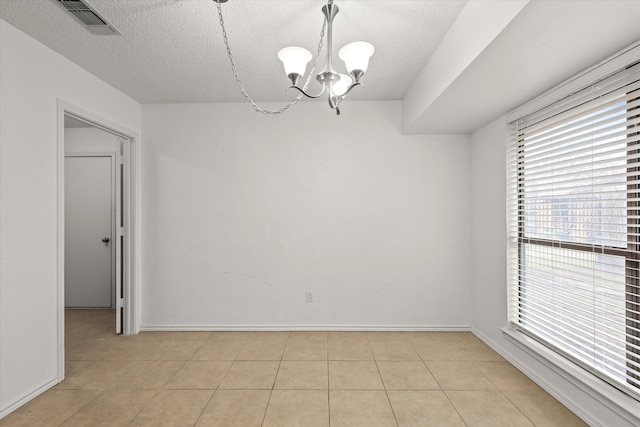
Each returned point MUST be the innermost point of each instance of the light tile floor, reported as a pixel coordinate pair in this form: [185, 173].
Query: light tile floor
[280, 379]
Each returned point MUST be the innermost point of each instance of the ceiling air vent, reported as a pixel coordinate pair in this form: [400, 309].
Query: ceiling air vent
[88, 17]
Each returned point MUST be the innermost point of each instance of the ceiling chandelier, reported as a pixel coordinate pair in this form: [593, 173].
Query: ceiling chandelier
[295, 59]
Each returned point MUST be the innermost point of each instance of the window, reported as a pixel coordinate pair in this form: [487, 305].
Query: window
[574, 227]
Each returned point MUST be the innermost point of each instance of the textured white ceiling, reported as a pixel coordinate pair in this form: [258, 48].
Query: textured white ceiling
[172, 50]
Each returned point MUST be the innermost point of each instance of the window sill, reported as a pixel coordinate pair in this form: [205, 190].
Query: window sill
[618, 402]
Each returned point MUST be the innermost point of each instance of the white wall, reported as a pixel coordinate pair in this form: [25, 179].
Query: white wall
[32, 80]
[244, 213]
[488, 225]
[596, 402]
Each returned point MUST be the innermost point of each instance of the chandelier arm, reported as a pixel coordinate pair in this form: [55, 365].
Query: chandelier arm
[255, 106]
[303, 92]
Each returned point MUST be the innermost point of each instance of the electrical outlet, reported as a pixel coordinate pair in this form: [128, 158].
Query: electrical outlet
[309, 296]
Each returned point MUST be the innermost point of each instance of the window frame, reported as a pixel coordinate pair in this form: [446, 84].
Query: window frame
[631, 254]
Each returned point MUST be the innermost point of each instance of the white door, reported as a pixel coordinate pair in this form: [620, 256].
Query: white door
[88, 266]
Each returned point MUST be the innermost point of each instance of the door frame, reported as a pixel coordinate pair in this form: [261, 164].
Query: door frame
[115, 211]
[131, 190]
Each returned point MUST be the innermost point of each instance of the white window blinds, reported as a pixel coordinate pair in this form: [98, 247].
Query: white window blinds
[574, 227]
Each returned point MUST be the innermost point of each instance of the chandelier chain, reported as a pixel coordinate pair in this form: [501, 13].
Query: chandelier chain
[256, 107]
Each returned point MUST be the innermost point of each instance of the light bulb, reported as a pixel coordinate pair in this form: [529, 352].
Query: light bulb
[340, 86]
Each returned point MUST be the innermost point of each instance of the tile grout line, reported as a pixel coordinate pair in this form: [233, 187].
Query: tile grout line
[215, 390]
[386, 393]
[328, 385]
[384, 386]
[264, 416]
[442, 390]
[475, 363]
[454, 407]
[518, 408]
[144, 406]
[205, 407]
[80, 408]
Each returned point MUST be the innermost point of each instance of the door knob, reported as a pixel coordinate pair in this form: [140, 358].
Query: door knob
[105, 240]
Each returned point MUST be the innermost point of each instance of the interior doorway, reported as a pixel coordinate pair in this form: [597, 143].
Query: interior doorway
[93, 218]
[98, 169]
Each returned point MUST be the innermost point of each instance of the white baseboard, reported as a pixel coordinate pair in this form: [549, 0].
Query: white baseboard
[37, 392]
[311, 328]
